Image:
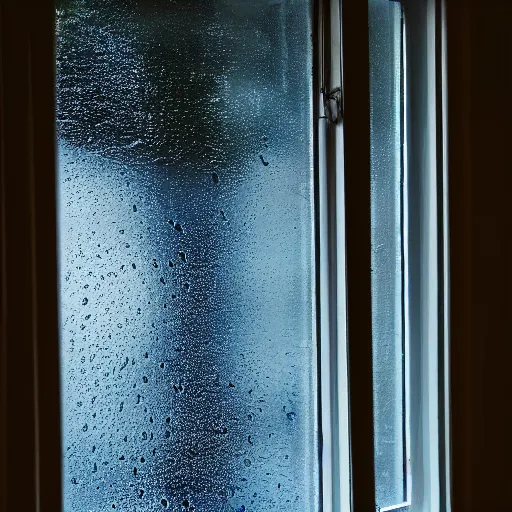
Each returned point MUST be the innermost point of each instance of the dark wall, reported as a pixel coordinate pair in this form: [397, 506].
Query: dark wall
[479, 35]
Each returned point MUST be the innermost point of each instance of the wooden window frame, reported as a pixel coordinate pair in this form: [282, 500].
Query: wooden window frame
[30, 441]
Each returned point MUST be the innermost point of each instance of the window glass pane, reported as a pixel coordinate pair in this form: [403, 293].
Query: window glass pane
[386, 124]
[187, 263]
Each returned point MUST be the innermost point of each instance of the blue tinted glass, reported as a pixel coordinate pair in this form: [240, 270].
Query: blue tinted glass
[386, 124]
[187, 255]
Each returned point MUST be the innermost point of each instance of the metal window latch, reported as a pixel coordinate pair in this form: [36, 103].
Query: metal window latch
[333, 105]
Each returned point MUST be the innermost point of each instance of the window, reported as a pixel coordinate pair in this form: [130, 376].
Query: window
[251, 256]
[188, 339]
[387, 257]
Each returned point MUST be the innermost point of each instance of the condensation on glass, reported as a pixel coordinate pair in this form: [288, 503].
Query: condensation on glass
[386, 132]
[187, 261]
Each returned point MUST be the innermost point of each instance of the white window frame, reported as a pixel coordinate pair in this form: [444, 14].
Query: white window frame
[344, 224]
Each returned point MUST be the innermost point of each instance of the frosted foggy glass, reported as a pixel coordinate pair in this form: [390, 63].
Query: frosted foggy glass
[385, 32]
[187, 264]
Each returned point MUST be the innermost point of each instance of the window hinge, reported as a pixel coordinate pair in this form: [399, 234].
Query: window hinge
[333, 105]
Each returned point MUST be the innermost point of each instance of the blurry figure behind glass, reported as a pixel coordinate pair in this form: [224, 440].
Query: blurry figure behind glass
[187, 255]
